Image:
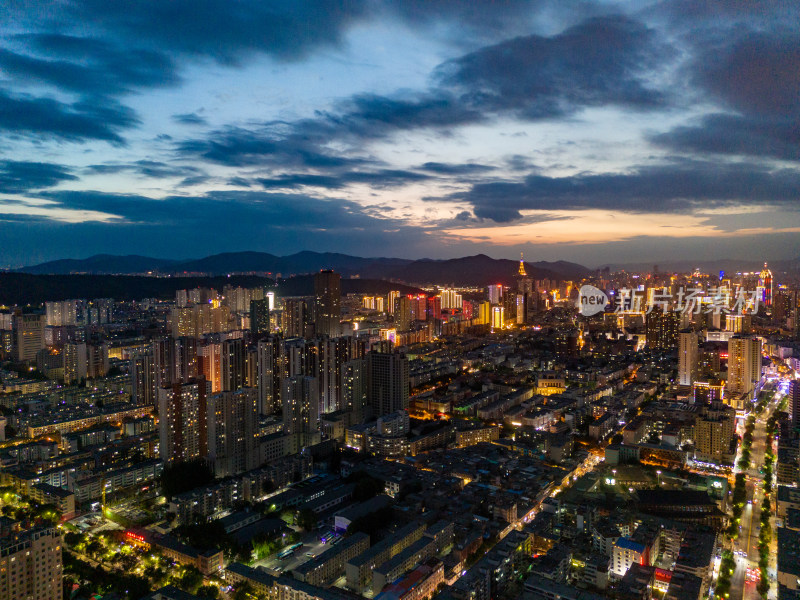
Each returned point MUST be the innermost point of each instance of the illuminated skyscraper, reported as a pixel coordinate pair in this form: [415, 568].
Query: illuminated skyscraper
[270, 361]
[435, 307]
[403, 316]
[328, 306]
[713, 431]
[662, 329]
[765, 286]
[183, 426]
[450, 298]
[355, 388]
[31, 565]
[300, 404]
[259, 317]
[521, 309]
[738, 323]
[498, 317]
[496, 293]
[794, 402]
[210, 357]
[143, 383]
[75, 362]
[485, 313]
[29, 338]
[388, 387]
[232, 428]
[744, 364]
[96, 360]
[296, 317]
[232, 364]
[333, 353]
[419, 307]
[687, 357]
[391, 300]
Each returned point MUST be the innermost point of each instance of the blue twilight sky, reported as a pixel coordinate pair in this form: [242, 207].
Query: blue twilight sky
[591, 131]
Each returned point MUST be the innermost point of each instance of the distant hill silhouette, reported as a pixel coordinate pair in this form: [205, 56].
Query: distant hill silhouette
[479, 270]
[101, 264]
[23, 288]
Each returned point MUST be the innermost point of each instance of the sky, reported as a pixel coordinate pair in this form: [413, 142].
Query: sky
[590, 131]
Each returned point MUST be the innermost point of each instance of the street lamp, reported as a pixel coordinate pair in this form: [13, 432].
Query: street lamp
[659, 477]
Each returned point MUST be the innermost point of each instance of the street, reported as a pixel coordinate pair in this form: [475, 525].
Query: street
[747, 542]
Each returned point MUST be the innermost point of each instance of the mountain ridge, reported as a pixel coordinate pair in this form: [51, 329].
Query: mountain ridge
[477, 270]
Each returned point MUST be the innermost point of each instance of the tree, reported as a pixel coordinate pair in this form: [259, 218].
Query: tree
[307, 519]
[242, 591]
[185, 476]
[94, 547]
[204, 536]
[208, 591]
[191, 580]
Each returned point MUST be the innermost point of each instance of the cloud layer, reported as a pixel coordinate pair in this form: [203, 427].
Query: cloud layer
[366, 122]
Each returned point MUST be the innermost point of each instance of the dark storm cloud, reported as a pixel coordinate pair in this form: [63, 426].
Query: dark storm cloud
[146, 168]
[755, 76]
[467, 24]
[99, 50]
[94, 72]
[380, 178]
[605, 60]
[276, 222]
[194, 180]
[21, 176]
[602, 61]
[694, 14]
[307, 143]
[189, 119]
[481, 14]
[370, 115]
[736, 134]
[98, 119]
[236, 146]
[225, 31]
[87, 65]
[301, 180]
[682, 187]
[294, 211]
[456, 169]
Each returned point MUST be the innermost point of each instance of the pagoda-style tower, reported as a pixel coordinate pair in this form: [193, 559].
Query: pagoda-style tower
[524, 283]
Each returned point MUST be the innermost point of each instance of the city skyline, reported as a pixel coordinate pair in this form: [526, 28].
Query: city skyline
[233, 437]
[624, 132]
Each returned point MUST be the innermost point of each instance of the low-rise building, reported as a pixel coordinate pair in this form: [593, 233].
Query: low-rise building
[330, 564]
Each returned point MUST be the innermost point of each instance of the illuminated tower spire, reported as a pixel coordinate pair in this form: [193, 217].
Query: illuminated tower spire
[522, 272]
[765, 286]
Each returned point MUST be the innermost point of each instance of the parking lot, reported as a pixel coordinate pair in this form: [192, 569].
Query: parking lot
[311, 548]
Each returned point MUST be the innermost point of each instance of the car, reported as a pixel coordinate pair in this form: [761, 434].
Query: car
[310, 554]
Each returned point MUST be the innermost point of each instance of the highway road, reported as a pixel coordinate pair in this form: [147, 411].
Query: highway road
[746, 546]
